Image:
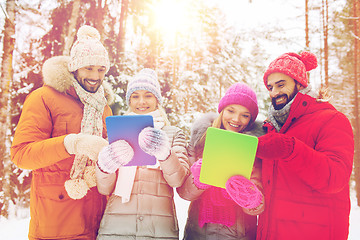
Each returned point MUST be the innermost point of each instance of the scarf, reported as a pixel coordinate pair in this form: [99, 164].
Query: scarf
[126, 175]
[279, 117]
[216, 206]
[82, 174]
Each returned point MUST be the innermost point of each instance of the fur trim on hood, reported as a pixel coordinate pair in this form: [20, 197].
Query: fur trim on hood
[56, 75]
[200, 126]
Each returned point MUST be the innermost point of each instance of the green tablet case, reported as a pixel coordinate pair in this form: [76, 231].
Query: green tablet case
[226, 154]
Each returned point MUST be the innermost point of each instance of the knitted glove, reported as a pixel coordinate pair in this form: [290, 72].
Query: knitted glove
[275, 146]
[115, 155]
[155, 142]
[243, 192]
[195, 170]
[84, 144]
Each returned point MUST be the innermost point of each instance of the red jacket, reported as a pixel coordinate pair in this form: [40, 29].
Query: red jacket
[49, 114]
[307, 194]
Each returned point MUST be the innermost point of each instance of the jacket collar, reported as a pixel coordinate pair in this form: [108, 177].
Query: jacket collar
[303, 105]
[56, 75]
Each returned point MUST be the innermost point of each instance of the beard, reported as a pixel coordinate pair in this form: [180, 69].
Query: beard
[287, 97]
[280, 106]
[87, 87]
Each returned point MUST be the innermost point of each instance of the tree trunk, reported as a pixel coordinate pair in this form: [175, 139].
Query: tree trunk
[307, 41]
[6, 76]
[122, 30]
[356, 124]
[325, 18]
[71, 30]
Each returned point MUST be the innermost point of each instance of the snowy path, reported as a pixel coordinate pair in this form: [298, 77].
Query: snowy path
[17, 228]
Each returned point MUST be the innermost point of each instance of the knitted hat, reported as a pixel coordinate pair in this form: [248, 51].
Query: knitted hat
[147, 80]
[293, 65]
[88, 50]
[242, 94]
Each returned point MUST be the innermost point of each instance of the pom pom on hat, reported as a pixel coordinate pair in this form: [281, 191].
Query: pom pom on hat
[309, 60]
[88, 32]
[146, 79]
[242, 94]
[76, 188]
[293, 65]
[88, 50]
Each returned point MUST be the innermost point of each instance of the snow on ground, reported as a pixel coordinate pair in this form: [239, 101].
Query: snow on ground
[16, 228]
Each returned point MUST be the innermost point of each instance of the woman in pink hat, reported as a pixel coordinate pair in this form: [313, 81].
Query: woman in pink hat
[217, 213]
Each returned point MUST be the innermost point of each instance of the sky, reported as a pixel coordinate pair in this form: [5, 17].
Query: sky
[254, 15]
[258, 14]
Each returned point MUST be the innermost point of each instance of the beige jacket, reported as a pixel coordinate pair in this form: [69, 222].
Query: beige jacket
[150, 213]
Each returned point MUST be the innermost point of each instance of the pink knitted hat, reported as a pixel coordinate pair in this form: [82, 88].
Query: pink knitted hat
[293, 65]
[88, 50]
[242, 94]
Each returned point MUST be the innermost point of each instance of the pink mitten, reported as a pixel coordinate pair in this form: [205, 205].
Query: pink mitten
[115, 155]
[243, 192]
[195, 169]
[155, 142]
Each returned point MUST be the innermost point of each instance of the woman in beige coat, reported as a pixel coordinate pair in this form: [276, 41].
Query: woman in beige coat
[141, 204]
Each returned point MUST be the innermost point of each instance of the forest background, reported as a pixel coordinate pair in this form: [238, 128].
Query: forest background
[198, 48]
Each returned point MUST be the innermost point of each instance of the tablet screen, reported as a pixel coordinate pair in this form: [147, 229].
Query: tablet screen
[226, 154]
[128, 127]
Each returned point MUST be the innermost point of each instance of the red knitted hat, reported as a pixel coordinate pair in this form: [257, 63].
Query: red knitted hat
[242, 94]
[293, 65]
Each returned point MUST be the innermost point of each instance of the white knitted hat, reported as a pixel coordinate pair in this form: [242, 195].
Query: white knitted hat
[146, 79]
[88, 50]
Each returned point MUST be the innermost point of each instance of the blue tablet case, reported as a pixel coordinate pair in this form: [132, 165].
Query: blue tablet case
[128, 128]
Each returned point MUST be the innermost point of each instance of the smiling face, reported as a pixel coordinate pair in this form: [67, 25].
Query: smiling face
[235, 118]
[90, 78]
[282, 89]
[142, 102]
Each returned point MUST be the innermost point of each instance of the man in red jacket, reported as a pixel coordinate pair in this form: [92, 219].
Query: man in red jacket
[307, 157]
[59, 135]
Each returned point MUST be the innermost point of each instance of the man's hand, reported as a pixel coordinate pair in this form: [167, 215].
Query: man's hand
[275, 146]
[84, 144]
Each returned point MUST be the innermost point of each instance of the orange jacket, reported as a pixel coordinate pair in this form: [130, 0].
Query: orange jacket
[49, 114]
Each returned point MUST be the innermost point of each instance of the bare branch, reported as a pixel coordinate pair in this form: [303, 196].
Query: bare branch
[353, 34]
[350, 18]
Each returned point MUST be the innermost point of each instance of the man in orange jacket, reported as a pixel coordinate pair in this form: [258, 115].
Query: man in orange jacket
[59, 135]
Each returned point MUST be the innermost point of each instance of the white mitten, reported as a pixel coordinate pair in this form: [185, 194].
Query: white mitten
[155, 142]
[84, 144]
[115, 155]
